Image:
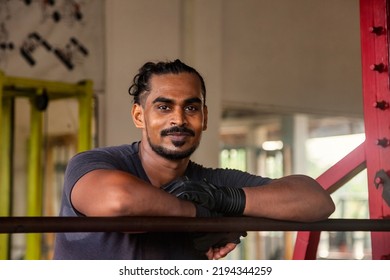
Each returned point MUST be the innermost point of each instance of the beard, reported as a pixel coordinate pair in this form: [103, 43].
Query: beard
[174, 155]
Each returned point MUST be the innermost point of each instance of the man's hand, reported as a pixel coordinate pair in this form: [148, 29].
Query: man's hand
[218, 253]
[217, 245]
[208, 198]
[205, 241]
[225, 200]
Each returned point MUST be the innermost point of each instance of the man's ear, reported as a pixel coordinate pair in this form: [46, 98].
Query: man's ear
[137, 113]
[205, 118]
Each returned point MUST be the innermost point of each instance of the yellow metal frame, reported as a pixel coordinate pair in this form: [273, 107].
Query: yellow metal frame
[14, 87]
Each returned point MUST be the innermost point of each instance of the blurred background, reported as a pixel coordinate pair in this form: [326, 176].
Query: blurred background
[283, 81]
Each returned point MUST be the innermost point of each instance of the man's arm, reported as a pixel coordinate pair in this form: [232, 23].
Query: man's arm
[296, 198]
[116, 193]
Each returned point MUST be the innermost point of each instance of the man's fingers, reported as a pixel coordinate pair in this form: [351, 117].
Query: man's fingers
[210, 254]
[219, 253]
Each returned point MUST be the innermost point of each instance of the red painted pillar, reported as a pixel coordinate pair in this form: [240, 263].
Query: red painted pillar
[374, 26]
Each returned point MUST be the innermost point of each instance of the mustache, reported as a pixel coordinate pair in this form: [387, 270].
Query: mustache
[177, 129]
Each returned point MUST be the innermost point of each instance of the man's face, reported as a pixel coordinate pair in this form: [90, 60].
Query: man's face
[173, 116]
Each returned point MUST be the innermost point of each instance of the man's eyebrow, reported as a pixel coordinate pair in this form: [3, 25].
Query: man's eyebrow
[170, 101]
[193, 100]
[162, 99]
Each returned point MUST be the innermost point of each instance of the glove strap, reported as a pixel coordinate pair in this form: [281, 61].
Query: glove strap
[236, 205]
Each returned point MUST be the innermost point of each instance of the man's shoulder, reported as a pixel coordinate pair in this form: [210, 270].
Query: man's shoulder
[127, 149]
[107, 154]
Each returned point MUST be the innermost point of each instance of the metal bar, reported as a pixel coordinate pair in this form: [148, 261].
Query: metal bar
[5, 146]
[85, 117]
[306, 245]
[28, 93]
[6, 105]
[344, 170]
[34, 187]
[28, 85]
[180, 224]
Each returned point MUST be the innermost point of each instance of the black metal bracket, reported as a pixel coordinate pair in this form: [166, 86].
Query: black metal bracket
[383, 179]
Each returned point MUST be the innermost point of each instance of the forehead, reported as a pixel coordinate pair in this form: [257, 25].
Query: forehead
[177, 86]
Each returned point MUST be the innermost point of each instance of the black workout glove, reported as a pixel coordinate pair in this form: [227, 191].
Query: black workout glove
[206, 205]
[226, 200]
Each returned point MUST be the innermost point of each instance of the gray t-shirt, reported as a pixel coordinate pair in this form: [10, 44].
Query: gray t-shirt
[118, 245]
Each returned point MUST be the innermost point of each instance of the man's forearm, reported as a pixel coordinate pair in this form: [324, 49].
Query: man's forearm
[295, 197]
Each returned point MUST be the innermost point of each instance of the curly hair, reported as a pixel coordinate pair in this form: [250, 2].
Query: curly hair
[141, 80]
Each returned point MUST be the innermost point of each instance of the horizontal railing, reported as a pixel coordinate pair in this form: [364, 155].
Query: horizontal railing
[181, 224]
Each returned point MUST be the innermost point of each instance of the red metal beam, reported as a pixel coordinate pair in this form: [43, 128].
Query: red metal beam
[376, 97]
[307, 241]
[344, 170]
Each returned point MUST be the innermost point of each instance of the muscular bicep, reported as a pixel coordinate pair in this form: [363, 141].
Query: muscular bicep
[117, 193]
[102, 192]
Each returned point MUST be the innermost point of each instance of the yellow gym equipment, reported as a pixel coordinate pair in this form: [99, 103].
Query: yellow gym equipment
[39, 92]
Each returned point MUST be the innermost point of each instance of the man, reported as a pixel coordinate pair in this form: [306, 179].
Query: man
[155, 177]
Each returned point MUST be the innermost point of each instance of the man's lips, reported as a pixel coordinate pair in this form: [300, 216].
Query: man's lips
[178, 136]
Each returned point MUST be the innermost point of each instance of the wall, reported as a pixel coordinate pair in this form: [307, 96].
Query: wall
[139, 31]
[294, 56]
[136, 31]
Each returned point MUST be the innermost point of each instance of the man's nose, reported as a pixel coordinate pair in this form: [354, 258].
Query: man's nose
[178, 118]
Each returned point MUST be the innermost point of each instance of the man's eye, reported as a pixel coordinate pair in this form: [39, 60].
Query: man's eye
[163, 107]
[191, 108]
